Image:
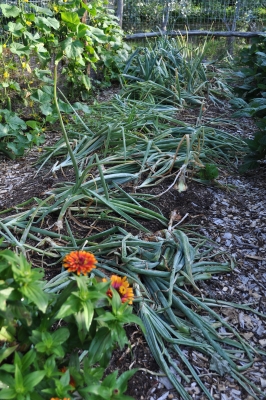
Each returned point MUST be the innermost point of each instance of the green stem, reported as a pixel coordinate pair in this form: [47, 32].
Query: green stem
[71, 154]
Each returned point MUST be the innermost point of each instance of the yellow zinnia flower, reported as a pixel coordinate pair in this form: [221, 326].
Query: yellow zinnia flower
[121, 285]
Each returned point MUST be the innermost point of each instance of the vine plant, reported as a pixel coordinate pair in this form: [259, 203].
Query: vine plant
[84, 37]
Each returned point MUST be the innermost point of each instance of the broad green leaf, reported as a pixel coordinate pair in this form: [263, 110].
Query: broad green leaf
[47, 109]
[82, 30]
[15, 86]
[29, 16]
[73, 49]
[41, 347]
[32, 379]
[42, 10]
[43, 75]
[33, 124]
[70, 17]
[88, 313]
[65, 378]
[35, 294]
[10, 11]
[40, 96]
[28, 359]
[19, 384]
[82, 107]
[7, 394]
[71, 306]
[4, 129]
[33, 37]
[5, 335]
[40, 48]
[100, 390]
[86, 82]
[4, 295]
[4, 353]
[99, 345]
[53, 23]
[48, 89]
[119, 334]
[59, 57]
[132, 318]
[14, 121]
[91, 8]
[81, 325]
[64, 107]
[15, 148]
[97, 34]
[9, 154]
[47, 23]
[105, 317]
[116, 301]
[19, 49]
[16, 29]
[123, 379]
[110, 380]
[60, 335]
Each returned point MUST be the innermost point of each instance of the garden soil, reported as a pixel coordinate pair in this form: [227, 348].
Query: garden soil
[231, 212]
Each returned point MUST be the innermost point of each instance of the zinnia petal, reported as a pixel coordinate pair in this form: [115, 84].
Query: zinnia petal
[80, 262]
[122, 286]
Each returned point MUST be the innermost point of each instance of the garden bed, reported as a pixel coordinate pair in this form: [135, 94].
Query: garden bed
[229, 211]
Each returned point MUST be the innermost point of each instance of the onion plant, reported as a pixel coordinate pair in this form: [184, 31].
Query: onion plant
[173, 72]
[164, 269]
[130, 143]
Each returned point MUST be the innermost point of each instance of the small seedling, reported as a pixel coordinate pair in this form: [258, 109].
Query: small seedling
[209, 172]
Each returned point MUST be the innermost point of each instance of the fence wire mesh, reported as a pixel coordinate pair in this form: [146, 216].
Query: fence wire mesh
[151, 15]
[215, 15]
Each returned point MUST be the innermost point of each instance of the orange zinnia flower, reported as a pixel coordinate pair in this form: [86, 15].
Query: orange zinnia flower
[71, 380]
[57, 398]
[80, 262]
[121, 285]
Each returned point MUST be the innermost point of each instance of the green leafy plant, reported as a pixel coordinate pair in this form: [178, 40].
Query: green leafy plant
[42, 324]
[83, 37]
[251, 89]
[252, 71]
[257, 148]
[209, 172]
[16, 135]
[171, 71]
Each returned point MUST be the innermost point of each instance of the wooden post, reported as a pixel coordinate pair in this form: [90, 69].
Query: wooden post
[165, 17]
[119, 11]
[232, 28]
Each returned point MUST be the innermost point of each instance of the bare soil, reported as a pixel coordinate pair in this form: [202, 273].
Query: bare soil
[231, 212]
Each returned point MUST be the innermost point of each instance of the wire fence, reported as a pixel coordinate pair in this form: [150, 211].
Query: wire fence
[151, 15]
[214, 15]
